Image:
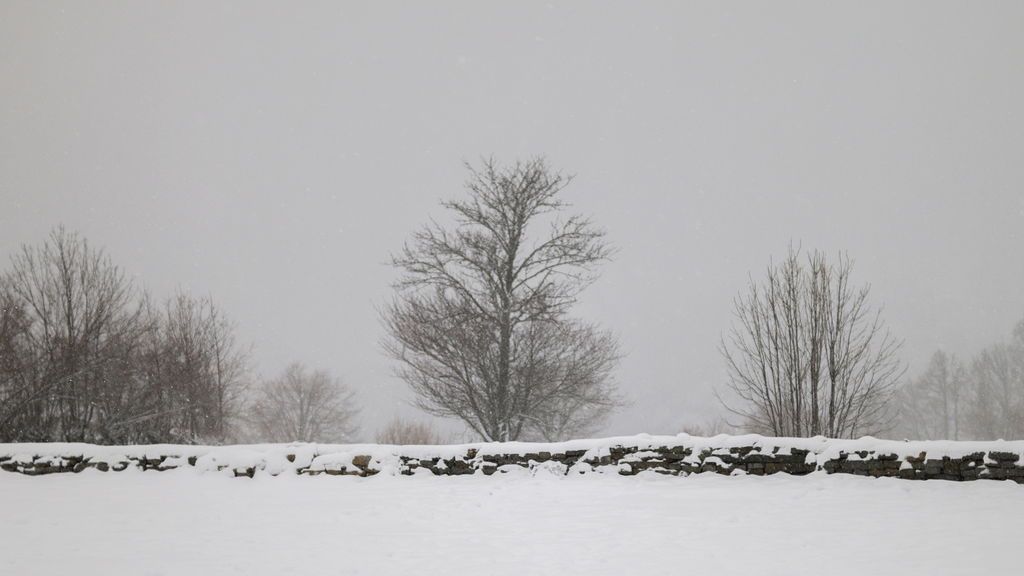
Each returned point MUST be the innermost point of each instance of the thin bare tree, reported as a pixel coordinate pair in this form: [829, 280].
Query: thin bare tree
[808, 355]
[304, 406]
[480, 325]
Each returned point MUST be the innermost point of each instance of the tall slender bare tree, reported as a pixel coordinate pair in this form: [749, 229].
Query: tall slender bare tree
[808, 355]
[480, 327]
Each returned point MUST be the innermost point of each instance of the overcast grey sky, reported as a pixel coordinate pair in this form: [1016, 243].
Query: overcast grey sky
[273, 155]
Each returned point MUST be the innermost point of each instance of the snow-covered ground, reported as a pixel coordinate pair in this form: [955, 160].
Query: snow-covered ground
[184, 522]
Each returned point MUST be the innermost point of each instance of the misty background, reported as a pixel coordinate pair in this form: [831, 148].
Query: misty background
[273, 157]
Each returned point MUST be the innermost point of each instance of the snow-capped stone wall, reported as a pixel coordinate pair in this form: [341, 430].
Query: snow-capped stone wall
[674, 455]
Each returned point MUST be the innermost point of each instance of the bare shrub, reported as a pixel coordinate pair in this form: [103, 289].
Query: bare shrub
[408, 432]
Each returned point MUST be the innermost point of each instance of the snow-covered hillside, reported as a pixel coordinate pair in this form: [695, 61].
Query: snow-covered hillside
[180, 522]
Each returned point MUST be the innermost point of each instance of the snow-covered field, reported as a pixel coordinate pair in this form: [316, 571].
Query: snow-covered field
[184, 522]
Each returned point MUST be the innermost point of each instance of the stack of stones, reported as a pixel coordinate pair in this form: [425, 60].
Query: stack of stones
[619, 459]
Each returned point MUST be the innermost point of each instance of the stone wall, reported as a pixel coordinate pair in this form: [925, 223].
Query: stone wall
[671, 455]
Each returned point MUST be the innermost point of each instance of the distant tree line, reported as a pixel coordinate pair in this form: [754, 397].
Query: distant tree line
[88, 356]
[480, 328]
[982, 398]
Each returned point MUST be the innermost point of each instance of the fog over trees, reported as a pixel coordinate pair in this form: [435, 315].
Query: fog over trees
[272, 166]
[997, 386]
[809, 354]
[932, 405]
[480, 327]
[979, 399]
[87, 356]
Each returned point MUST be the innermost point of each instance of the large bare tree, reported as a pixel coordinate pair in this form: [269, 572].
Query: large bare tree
[304, 406]
[79, 320]
[808, 355]
[480, 325]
